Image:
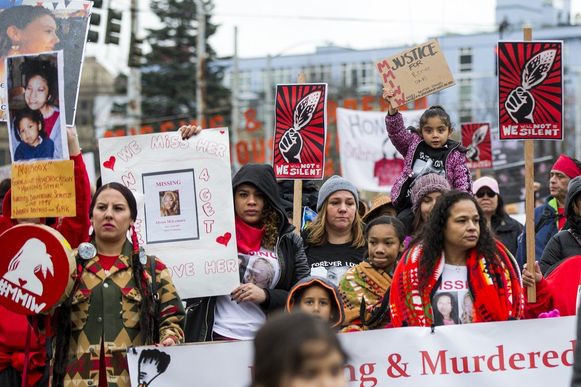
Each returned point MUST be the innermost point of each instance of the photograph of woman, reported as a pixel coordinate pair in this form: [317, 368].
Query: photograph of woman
[169, 203]
[445, 306]
[33, 85]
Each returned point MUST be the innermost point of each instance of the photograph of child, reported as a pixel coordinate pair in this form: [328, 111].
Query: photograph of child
[36, 121]
[169, 203]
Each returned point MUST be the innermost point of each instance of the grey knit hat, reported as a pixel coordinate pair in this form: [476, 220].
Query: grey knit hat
[333, 184]
[425, 185]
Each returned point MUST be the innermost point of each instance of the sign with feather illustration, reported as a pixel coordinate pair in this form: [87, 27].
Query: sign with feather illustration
[300, 131]
[476, 139]
[530, 87]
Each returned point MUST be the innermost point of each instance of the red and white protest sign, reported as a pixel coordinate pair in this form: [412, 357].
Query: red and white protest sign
[485, 354]
[476, 138]
[530, 87]
[36, 268]
[300, 132]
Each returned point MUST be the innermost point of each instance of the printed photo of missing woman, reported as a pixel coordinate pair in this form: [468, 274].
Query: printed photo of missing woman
[36, 119]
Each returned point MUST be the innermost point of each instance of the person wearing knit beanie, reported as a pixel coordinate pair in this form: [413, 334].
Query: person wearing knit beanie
[429, 186]
[425, 185]
[333, 184]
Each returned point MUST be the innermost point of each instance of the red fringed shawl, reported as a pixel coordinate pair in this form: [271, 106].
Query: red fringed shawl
[496, 289]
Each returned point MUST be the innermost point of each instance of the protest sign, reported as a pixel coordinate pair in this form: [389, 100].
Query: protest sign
[36, 119]
[43, 189]
[185, 206]
[484, 354]
[415, 72]
[37, 268]
[530, 88]
[64, 25]
[299, 139]
[476, 138]
[368, 159]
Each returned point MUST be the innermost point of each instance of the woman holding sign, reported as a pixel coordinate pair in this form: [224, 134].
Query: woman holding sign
[13, 327]
[456, 254]
[272, 260]
[122, 298]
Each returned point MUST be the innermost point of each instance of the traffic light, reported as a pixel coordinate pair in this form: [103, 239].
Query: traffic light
[135, 52]
[113, 28]
[93, 35]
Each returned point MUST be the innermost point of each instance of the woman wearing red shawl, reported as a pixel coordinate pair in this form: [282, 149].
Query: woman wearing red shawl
[462, 260]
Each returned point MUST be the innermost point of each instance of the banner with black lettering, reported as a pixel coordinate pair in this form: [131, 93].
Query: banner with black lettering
[532, 353]
[368, 158]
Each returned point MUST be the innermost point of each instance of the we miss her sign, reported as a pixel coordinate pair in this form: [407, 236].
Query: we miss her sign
[488, 354]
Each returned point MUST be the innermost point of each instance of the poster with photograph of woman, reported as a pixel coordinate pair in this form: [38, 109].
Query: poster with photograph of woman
[33, 27]
[36, 122]
[261, 269]
[445, 307]
[171, 212]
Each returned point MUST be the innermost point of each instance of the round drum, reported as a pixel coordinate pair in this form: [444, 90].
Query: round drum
[37, 269]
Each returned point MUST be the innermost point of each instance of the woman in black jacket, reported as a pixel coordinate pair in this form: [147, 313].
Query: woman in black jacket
[504, 228]
[271, 256]
[567, 242]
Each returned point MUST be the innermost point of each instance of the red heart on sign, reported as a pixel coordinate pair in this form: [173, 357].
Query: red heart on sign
[222, 131]
[224, 239]
[110, 164]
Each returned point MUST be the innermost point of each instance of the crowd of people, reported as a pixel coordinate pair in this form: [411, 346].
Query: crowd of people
[441, 250]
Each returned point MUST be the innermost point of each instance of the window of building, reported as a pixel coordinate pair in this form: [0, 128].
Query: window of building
[465, 59]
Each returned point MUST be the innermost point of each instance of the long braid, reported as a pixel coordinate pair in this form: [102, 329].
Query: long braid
[147, 312]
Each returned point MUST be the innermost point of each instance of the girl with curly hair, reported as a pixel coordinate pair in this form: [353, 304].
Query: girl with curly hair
[456, 253]
[267, 247]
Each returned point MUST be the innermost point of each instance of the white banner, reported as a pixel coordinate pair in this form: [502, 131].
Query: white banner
[185, 206]
[532, 353]
[368, 159]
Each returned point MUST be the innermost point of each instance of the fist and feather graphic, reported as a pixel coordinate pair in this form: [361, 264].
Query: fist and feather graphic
[291, 143]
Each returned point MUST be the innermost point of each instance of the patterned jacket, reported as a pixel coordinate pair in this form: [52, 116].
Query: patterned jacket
[406, 143]
[106, 306]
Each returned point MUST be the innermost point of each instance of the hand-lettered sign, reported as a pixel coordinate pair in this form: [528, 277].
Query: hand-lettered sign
[185, 204]
[43, 189]
[530, 88]
[415, 73]
[476, 138]
[36, 269]
[299, 138]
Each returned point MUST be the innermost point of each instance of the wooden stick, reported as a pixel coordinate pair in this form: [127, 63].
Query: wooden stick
[298, 187]
[530, 198]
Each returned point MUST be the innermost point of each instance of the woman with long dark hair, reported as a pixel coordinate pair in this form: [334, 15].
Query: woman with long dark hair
[456, 253]
[271, 256]
[122, 298]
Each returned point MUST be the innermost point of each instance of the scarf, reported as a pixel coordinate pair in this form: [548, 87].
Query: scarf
[496, 289]
[362, 282]
[248, 238]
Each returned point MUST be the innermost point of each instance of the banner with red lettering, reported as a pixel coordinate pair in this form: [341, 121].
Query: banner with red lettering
[530, 90]
[486, 354]
[476, 138]
[185, 206]
[368, 158]
[301, 126]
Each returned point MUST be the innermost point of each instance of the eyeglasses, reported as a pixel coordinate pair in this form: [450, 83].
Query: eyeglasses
[485, 192]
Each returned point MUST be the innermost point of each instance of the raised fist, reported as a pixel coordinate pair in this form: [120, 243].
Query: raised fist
[291, 145]
[520, 105]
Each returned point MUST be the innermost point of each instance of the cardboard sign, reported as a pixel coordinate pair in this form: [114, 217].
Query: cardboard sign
[36, 268]
[530, 88]
[476, 138]
[484, 354]
[65, 26]
[301, 126]
[35, 83]
[185, 204]
[415, 73]
[368, 158]
[43, 189]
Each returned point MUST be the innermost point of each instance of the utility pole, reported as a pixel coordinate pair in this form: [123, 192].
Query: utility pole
[578, 114]
[235, 102]
[201, 53]
[134, 82]
[269, 111]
